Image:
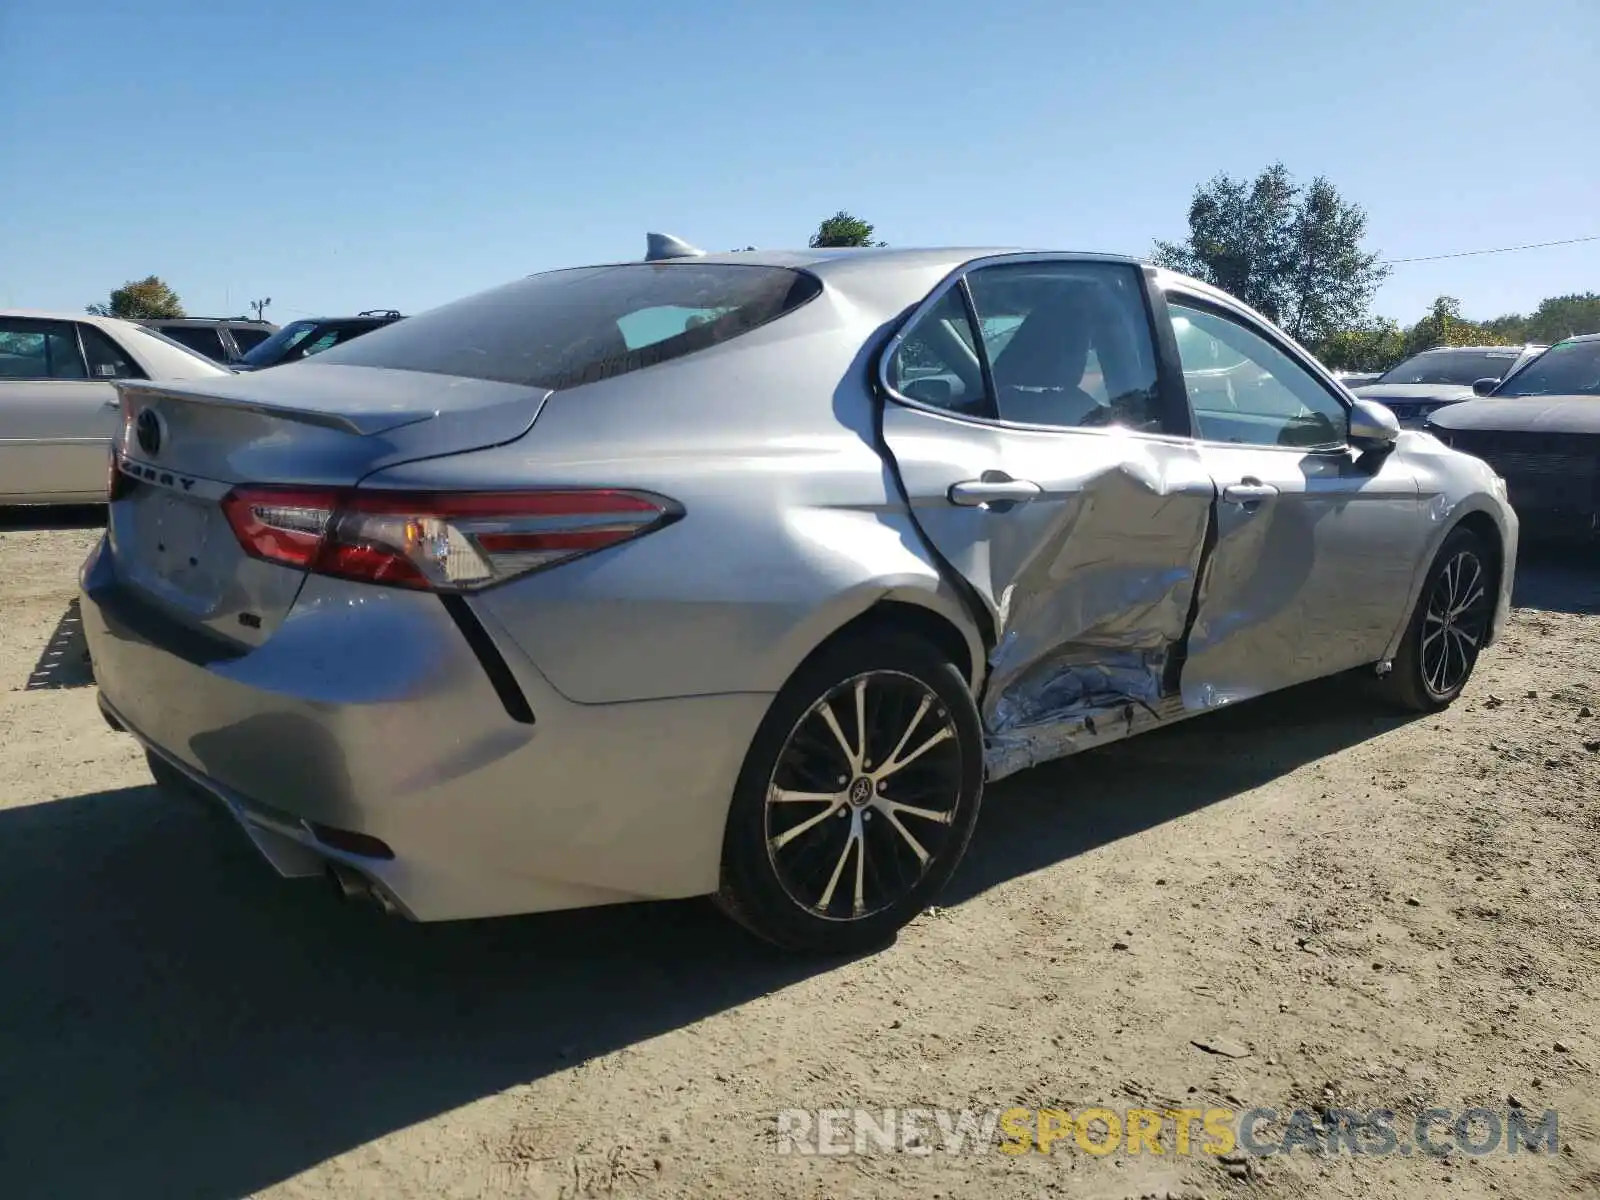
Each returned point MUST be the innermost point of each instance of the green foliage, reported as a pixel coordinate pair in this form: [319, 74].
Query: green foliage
[1292, 252]
[842, 229]
[1556, 317]
[1375, 345]
[1445, 326]
[1378, 344]
[1560, 317]
[140, 299]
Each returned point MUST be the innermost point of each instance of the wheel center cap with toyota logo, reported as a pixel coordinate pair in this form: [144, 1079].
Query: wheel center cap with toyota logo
[148, 432]
[861, 791]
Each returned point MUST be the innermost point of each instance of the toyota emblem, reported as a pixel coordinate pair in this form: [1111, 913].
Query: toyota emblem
[147, 429]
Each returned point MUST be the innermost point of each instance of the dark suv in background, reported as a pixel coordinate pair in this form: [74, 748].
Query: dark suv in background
[301, 339]
[221, 339]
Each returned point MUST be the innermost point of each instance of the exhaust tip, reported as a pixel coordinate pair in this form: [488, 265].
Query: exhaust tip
[352, 885]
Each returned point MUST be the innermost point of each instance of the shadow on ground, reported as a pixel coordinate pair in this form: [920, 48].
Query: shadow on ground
[178, 1021]
[64, 661]
[1066, 808]
[31, 518]
[1558, 578]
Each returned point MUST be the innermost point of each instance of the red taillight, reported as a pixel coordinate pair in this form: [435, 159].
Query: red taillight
[449, 541]
[118, 482]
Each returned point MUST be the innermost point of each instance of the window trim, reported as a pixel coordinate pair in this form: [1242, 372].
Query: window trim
[1231, 311]
[958, 279]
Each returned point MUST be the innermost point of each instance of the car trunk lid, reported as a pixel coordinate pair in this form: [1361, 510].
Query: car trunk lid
[185, 446]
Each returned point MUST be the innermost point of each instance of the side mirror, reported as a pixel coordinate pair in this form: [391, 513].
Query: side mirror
[1372, 426]
[1482, 387]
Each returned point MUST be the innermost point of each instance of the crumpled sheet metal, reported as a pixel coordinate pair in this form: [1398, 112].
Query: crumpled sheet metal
[1074, 707]
[1087, 656]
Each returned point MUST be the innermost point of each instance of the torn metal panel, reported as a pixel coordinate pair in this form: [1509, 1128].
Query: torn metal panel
[1062, 733]
[1089, 630]
[1088, 584]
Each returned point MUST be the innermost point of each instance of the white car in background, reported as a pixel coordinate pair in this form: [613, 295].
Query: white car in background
[1421, 385]
[58, 402]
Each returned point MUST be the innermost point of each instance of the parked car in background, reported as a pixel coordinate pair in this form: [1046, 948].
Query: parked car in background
[221, 339]
[738, 574]
[58, 402]
[302, 339]
[1355, 379]
[1540, 429]
[1426, 382]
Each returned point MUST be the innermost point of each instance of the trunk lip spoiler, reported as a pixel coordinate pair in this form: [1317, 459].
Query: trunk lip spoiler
[361, 424]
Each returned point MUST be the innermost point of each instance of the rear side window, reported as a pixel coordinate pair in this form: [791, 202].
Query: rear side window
[1068, 344]
[33, 349]
[561, 329]
[937, 361]
[107, 360]
[200, 339]
[248, 339]
[1062, 345]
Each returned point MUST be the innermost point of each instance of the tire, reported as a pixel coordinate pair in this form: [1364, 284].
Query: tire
[1452, 618]
[843, 872]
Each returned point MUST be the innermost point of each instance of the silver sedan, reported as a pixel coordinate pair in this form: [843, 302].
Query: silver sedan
[58, 402]
[738, 575]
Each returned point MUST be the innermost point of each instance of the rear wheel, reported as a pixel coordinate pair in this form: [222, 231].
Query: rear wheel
[857, 798]
[1448, 627]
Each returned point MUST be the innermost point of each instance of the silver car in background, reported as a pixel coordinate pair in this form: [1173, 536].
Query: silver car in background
[58, 400]
[739, 574]
[1424, 383]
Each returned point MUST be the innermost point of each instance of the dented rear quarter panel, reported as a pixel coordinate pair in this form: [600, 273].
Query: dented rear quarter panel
[792, 524]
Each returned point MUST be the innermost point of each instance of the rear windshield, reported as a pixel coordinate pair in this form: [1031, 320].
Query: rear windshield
[1461, 367]
[561, 329]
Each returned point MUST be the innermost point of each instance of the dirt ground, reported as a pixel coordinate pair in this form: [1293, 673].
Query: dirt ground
[1379, 912]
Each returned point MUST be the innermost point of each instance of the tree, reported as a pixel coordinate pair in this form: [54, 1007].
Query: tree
[1373, 346]
[1293, 253]
[1563, 316]
[842, 229]
[141, 299]
[1445, 326]
[1378, 344]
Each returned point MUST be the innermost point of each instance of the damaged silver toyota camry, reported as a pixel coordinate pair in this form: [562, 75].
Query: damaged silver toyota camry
[738, 575]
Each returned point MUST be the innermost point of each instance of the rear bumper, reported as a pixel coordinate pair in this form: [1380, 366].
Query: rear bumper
[368, 711]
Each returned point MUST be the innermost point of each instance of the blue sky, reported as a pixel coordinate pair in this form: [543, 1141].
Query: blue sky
[347, 154]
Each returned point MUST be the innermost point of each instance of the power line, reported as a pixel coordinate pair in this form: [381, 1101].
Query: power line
[1594, 237]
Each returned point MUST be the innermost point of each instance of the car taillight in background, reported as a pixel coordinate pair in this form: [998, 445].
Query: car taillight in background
[439, 541]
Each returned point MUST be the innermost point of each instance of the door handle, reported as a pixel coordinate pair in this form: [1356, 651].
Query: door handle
[973, 492]
[1248, 493]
